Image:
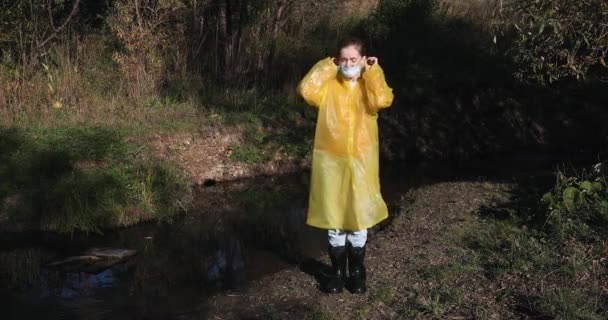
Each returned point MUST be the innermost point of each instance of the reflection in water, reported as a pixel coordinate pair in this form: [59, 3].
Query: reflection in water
[20, 268]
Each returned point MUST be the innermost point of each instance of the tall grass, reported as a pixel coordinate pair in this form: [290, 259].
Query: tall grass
[145, 70]
[78, 82]
[82, 179]
[480, 12]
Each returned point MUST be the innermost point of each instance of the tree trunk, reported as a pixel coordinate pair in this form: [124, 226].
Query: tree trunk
[281, 10]
[221, 39]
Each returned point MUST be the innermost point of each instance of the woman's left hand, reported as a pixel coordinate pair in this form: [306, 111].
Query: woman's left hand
[368, 62]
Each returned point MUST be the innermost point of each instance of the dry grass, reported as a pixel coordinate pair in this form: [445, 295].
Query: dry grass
[96, 79]
[360, 8]
[478, 11]
[78, 82]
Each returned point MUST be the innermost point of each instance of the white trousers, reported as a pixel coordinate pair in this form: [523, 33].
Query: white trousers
[338, 238]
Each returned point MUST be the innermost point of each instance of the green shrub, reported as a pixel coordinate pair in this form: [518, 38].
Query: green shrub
[554, 39]
[577, 207]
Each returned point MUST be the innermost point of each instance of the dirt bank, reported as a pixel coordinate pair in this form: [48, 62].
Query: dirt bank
[207, 155]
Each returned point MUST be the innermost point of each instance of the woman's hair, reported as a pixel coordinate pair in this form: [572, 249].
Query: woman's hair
[352, 41]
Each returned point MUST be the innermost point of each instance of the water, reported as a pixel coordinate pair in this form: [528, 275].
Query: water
[237, 232]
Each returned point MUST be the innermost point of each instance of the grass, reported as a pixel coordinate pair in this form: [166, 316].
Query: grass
[505, 248]
[501, 261]
[416, 303]
[568, 304]
[431, 302]
[385, 294]
[249, 154]
[82, 179]
[79, 83]
[576, 261]
[512, 245]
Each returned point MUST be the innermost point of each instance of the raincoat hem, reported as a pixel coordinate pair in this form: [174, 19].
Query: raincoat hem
[343, 227]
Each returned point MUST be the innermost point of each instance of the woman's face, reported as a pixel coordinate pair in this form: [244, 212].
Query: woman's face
[349, 56]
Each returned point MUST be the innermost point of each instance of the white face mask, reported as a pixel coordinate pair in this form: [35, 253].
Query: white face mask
[350, 72]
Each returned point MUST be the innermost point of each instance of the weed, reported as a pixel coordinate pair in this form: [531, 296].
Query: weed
[577, 207]
[248, 154]
[385, 293]
[363, 311]
[486, 312]
[576, 260]
[435, 302]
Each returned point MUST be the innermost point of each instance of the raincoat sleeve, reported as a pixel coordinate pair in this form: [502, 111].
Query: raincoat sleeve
[378, 93]
[313, 87]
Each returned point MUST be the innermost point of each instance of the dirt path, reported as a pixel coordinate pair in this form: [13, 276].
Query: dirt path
[400, 262]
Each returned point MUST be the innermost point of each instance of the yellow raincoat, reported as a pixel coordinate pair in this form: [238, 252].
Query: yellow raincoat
[345, 182]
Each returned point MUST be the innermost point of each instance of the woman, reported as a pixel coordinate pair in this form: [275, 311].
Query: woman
[345, 187]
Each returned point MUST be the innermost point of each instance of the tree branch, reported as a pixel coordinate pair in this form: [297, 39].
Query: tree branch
[51, 22]
[65, 23]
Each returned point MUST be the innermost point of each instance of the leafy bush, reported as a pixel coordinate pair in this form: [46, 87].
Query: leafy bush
[25, 29]
[142, 29]
[554, 39]
[577, 207]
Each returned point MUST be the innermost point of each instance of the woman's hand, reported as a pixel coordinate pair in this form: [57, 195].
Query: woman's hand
[367, 62]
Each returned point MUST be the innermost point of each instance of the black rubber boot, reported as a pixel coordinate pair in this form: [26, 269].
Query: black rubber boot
[356, 269]
[338, 265]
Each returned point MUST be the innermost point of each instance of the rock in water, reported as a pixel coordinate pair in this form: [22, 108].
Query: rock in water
[109, 253]
[74, 263]
[93, 260]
